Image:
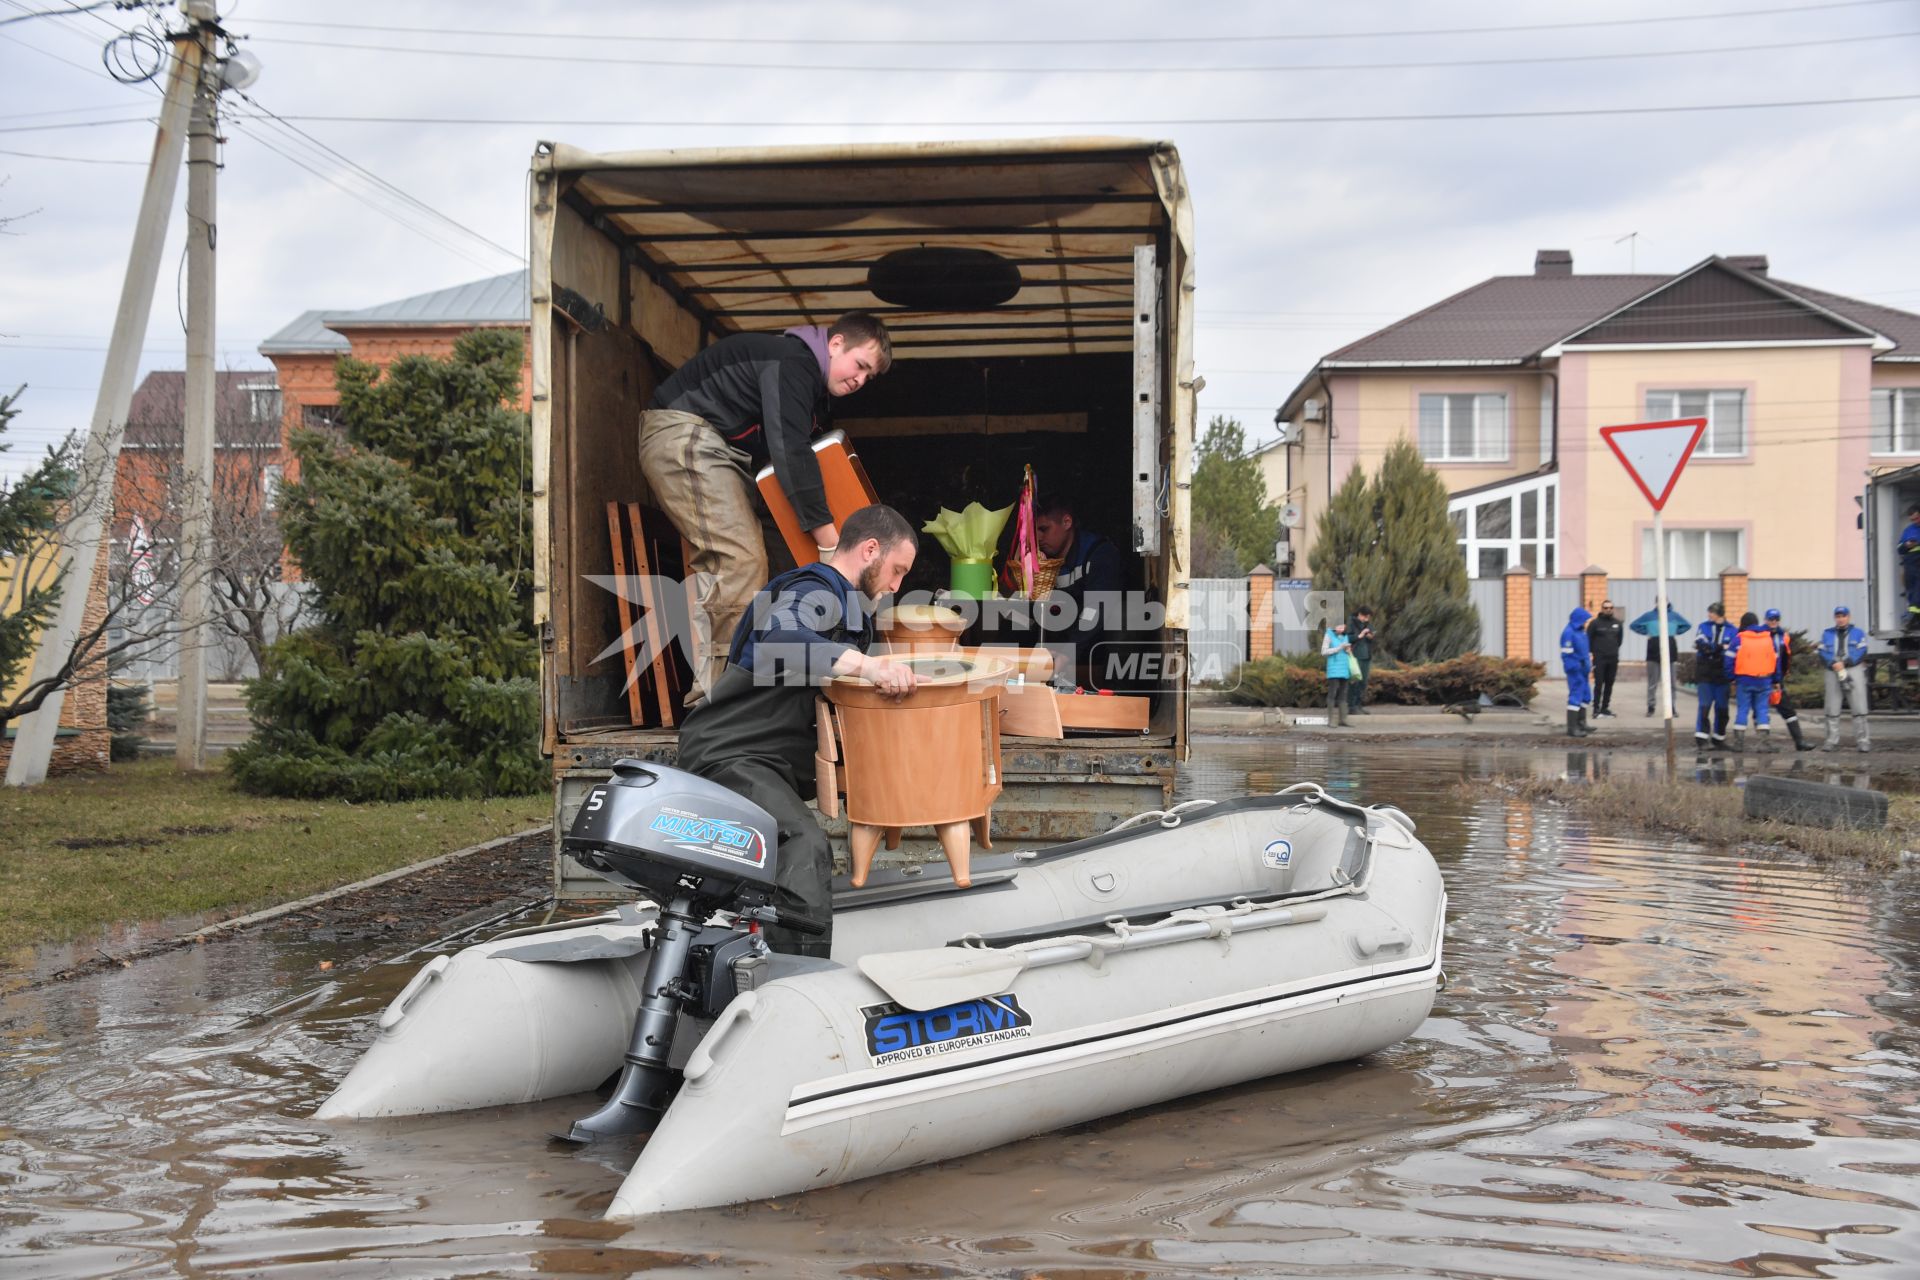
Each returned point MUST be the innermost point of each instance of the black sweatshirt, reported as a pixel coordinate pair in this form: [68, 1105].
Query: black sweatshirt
[1604, 633]
[765, 393]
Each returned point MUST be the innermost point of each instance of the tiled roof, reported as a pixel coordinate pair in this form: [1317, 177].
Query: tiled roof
[1901, 326]
[498, 300]
[1507, 318]
[158, 409]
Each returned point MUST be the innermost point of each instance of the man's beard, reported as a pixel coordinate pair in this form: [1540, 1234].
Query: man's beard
[870, 581]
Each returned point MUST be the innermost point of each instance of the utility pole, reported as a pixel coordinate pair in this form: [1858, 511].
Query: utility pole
[197, 443]
[33, 746]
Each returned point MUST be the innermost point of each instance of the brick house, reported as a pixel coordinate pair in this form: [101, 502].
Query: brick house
[304, 351]
[1505, 385]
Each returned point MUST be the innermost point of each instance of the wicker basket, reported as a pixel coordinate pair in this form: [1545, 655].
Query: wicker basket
[1044, 573]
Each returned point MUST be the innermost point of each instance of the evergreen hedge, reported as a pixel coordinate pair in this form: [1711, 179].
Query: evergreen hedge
[1300, 680]
[420, 679]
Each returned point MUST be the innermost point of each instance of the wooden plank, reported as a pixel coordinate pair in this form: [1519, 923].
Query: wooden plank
[656, 644]
[1030, 711]
[1111, 711]
[847, 489]
[635, 714]
[826, 787]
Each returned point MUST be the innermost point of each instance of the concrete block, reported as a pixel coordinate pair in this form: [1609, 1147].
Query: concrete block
[1814, 804]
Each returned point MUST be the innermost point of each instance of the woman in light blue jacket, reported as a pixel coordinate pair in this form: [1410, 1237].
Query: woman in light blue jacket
[1337, 649]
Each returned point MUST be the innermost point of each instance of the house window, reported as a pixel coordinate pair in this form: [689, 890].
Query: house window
[1896, 420]
[271, 476]
[263, 402]
[1512, 524]
[319, 417]
[1725, 412]
[1694, 553]
[1463, 428]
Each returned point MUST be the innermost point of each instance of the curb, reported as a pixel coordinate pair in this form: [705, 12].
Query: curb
[220, 927]
[327, 895]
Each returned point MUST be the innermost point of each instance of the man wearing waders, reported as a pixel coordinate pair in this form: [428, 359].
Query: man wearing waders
[1710, 677]
[746, 401]
[1576, 663]
[1789, 715]
[755, 731]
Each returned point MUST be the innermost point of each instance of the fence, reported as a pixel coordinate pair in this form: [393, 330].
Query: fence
[1220, 607]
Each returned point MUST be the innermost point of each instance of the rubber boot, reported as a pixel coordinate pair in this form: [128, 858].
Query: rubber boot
[1763, 742]
[1740, 739]
[1800, 742]
[1586, 719]
[1574, 728]
[1343, 715]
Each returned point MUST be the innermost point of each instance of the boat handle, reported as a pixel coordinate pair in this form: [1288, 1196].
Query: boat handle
[740, 1010]
[391, 1015]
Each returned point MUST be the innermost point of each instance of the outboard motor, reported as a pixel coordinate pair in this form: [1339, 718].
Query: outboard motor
[696, 848]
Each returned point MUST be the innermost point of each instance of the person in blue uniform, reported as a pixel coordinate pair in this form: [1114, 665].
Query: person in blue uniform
[755, 731]
[1783, 647]
[1909, 549]
[1576, 662]
[1752, 660]
[1710, 677]
[1084, 606]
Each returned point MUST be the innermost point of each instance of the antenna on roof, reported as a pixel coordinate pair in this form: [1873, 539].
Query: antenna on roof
[1632, 241]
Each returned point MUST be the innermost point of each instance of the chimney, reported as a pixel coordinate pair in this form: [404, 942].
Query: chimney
[1752, 262]
[1553, 262]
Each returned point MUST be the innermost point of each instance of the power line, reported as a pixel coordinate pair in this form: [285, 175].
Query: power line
[379, 182]
[1083, 40]
[841, 68]
[69, 11]
[385, 210]
[1089, 123]
[35, 155]
[75, 124]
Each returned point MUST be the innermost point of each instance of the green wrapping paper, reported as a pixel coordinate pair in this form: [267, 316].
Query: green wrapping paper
[969, 538]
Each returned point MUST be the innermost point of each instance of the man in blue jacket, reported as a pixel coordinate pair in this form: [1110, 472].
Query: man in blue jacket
[1843, 652]
[1909, 549]
[1576, 662]
[1710, 677]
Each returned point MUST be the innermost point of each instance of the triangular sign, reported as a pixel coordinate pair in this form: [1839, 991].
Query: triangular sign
[1654, 453]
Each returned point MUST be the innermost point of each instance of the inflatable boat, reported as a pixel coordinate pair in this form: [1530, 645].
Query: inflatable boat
[1186, 950]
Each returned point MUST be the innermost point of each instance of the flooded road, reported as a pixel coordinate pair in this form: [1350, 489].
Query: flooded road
[1651, 1059]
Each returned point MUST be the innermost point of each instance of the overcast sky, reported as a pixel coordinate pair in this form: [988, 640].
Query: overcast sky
[1309, 234]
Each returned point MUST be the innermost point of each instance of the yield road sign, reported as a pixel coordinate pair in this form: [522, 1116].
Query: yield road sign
[1654, 453]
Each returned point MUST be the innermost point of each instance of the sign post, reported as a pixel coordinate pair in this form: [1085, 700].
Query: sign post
[1654, 454]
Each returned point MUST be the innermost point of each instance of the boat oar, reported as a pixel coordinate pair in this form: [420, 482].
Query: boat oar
[940, 976]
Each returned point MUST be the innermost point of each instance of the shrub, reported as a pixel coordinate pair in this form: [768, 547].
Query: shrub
[1300, 680]
[127, 715]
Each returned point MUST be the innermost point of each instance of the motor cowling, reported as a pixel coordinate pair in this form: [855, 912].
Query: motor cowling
[668, 832]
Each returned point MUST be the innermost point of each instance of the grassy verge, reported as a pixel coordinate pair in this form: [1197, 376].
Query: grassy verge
[1715, 816]
[143, 842]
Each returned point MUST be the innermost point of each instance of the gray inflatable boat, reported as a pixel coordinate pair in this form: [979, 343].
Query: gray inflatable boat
[1186, 950]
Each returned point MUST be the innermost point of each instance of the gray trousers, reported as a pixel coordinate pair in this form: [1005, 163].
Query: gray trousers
[1855, 680]
[1653, 687]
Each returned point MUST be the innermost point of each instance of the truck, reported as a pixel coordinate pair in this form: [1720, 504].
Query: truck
[1040, 298]
[1893, 648]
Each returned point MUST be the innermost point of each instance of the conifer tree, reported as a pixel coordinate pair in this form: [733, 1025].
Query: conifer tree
[1389, 543]
[413, 531]
[30, 517]
[1233, 526]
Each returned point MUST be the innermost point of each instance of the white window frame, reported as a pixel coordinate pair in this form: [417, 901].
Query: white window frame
[1662, 406]
[1482, 433]
[1896, 413]
[1674, 566]
[1546, 535]
[272, 476]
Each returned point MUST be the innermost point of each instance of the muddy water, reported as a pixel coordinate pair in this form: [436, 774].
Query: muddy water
[1650, 1060]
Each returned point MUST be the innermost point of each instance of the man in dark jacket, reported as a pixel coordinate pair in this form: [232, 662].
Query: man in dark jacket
[1360, 632]
[737, 405]
[755, 731]
[1604, 634]
[1710, 676]
[1084, 606]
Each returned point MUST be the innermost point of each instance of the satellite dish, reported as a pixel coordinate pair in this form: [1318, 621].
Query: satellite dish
[1290, 514]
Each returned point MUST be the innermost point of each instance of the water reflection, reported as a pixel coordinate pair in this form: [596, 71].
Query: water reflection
[1651, 1058]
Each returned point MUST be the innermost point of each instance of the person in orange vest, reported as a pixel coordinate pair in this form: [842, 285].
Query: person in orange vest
[1752, 661]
